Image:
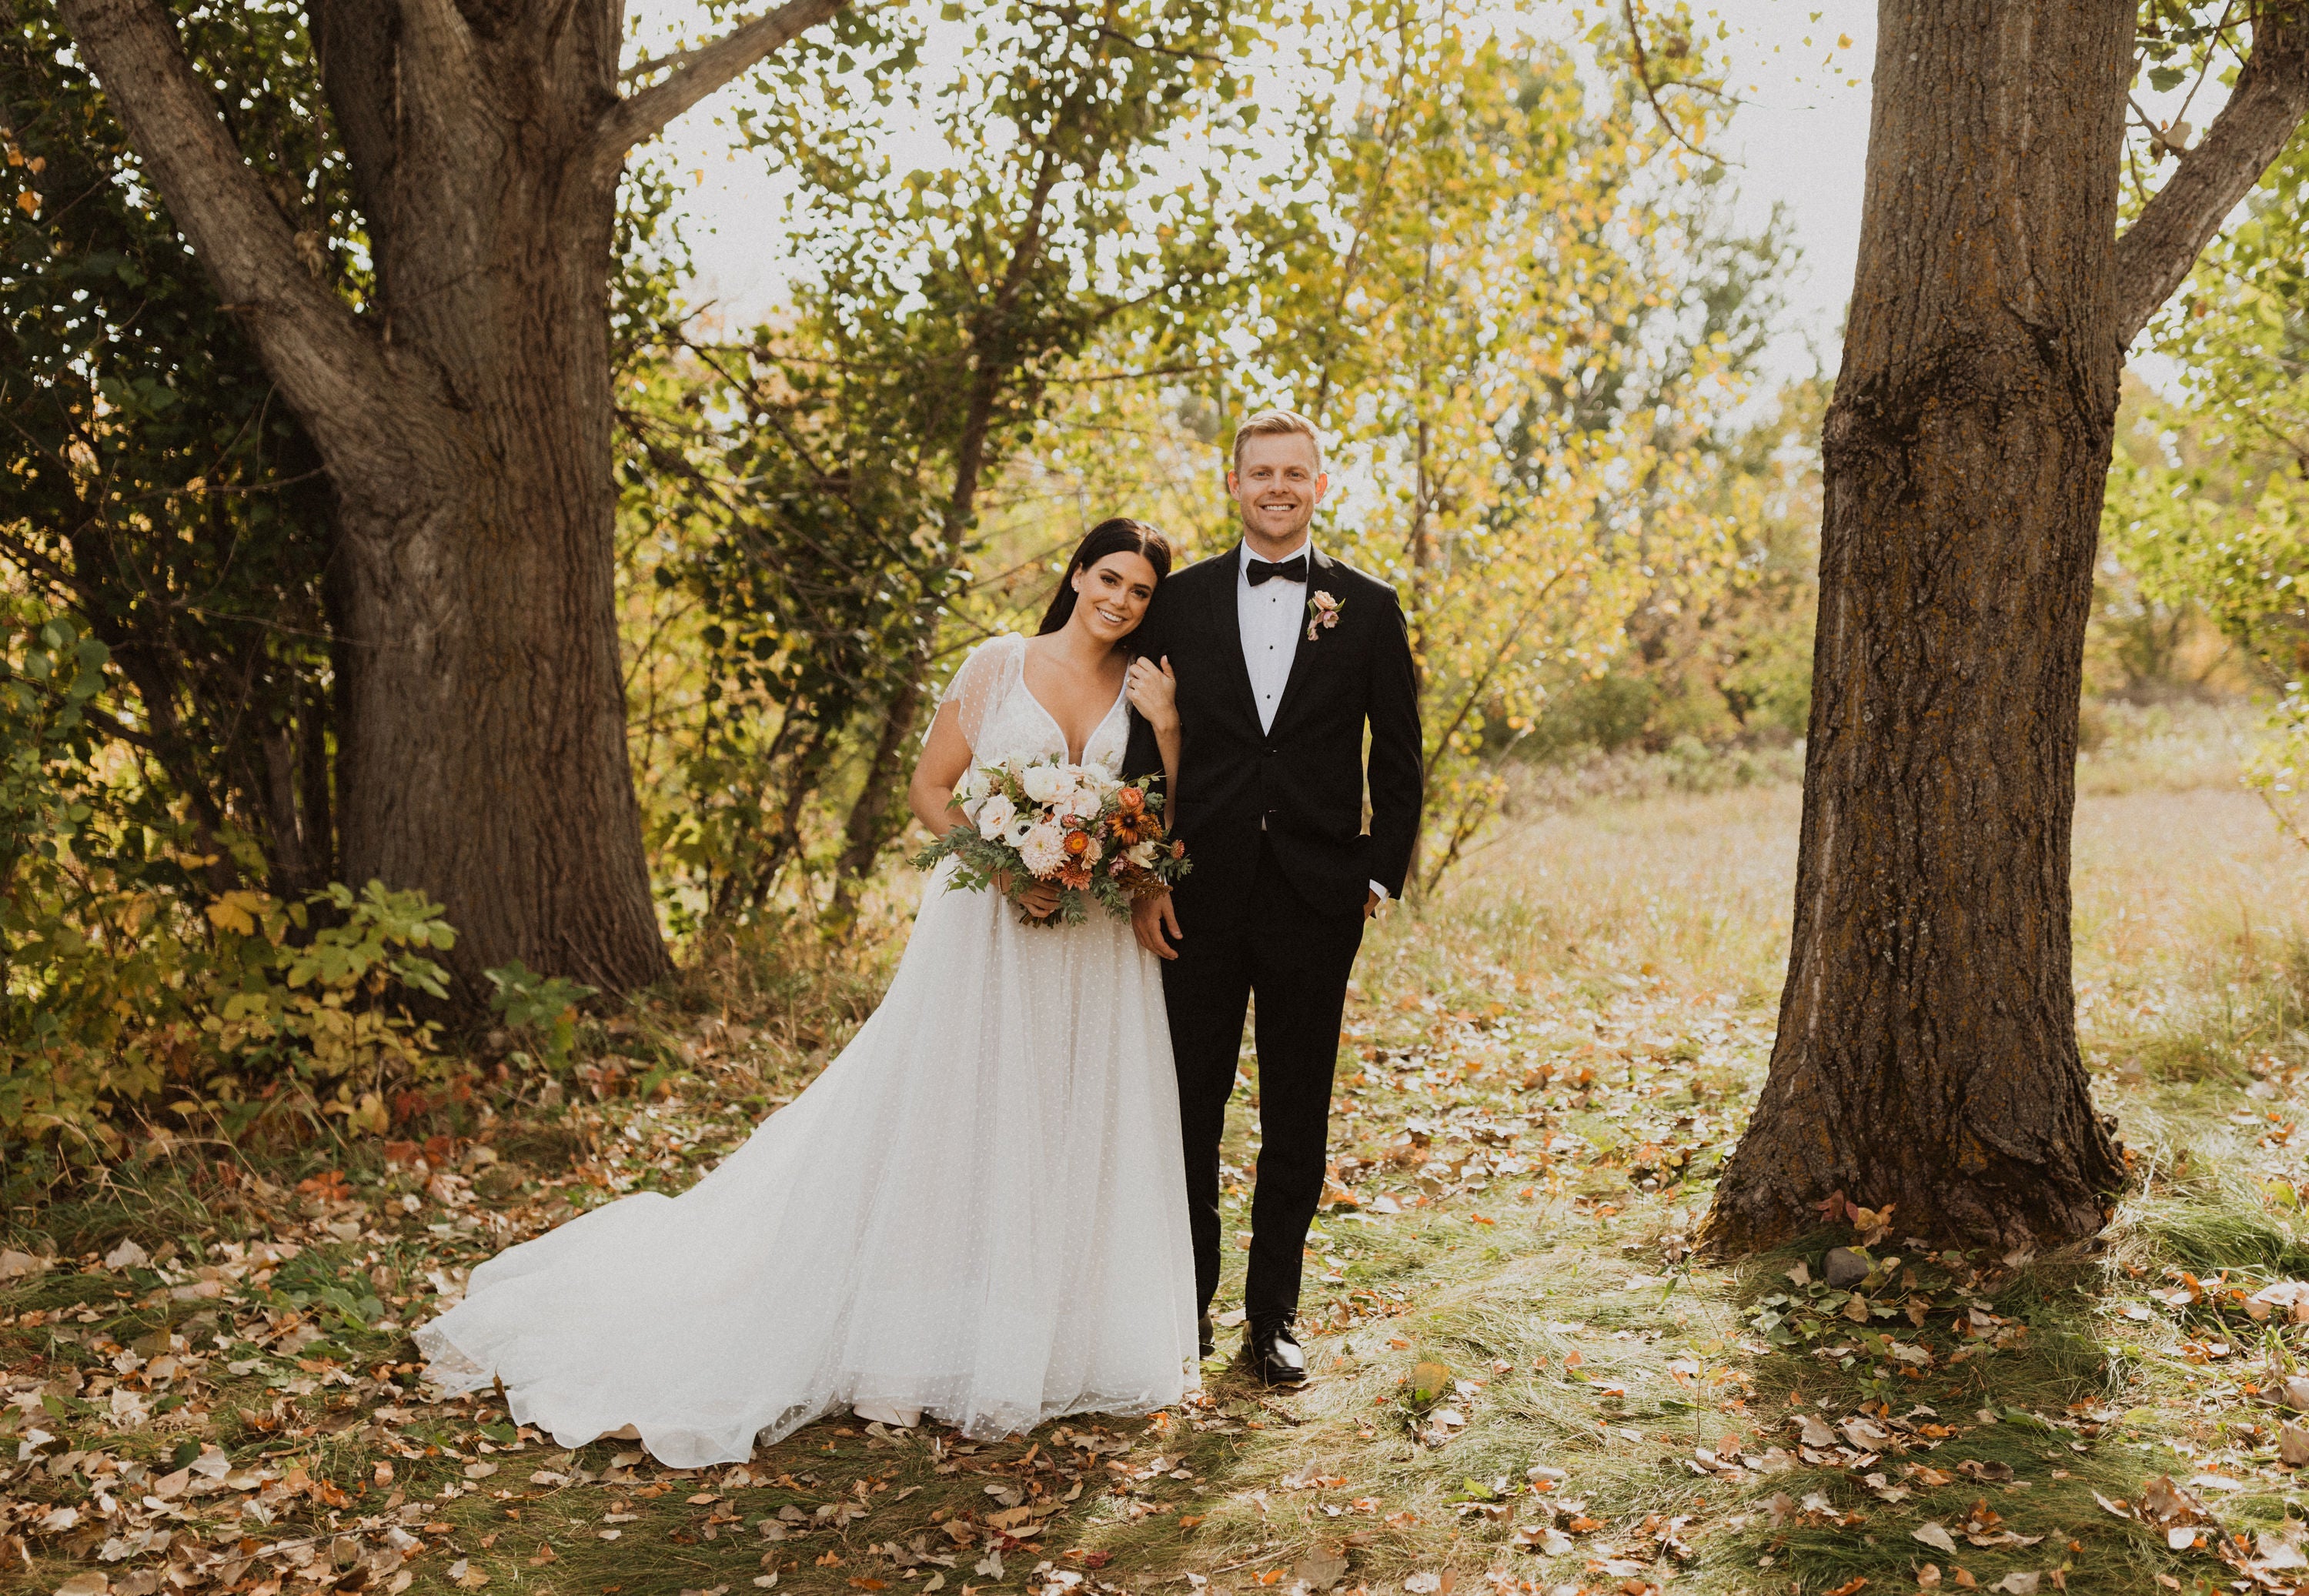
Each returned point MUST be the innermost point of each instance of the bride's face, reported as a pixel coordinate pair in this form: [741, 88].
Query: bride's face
[1110, 597]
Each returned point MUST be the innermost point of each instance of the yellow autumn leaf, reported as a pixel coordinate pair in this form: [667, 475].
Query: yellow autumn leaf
[236, 913]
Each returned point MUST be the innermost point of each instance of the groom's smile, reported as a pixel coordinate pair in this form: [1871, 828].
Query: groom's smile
[1277, 480]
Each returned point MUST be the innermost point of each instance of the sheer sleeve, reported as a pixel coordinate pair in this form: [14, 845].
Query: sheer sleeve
[979, 688]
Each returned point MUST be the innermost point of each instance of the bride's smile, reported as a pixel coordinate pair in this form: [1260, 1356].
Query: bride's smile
[1113, 596]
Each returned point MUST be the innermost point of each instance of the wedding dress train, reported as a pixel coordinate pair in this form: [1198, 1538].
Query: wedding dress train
[977, 1211]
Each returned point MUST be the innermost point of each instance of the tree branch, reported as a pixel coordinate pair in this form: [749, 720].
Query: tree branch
[693, 74]
[1641, 61]
[2270, 98]
[358, 45]
[309, 339]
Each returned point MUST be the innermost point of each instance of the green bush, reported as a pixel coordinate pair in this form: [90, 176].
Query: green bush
[253, 1008]
[542, 1007]
[132, 985]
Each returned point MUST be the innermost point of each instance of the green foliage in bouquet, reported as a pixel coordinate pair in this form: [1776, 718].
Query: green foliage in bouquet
[1097, 839]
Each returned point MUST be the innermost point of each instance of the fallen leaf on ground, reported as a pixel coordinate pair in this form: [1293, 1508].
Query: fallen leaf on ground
[1321, 1569]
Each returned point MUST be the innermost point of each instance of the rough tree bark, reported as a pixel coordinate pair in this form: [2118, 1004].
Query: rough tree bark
[1927, 1051]
[464, 418]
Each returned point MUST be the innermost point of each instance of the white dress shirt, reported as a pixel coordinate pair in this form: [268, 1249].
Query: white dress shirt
[1272, 618]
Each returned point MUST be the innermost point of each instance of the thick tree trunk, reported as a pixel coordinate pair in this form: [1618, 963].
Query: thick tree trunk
[483, 734]
[1928, 1050]
[484, 751]
[465, 419]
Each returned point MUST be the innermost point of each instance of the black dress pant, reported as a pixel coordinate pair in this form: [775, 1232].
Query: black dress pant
[1269, 941]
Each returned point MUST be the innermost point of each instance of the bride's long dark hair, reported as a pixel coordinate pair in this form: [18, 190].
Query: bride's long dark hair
[1119, 535]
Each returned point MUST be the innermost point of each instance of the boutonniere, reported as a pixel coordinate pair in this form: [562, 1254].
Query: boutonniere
[1323, 611]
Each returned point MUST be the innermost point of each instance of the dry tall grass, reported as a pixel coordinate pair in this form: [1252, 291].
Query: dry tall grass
[2185, 892]
[2192, 930]
[1695, 887]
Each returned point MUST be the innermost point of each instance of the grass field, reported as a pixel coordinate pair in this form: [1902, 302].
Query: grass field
[1523, 1380]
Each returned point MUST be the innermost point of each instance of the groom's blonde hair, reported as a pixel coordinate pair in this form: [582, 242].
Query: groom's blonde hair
[1266, 423]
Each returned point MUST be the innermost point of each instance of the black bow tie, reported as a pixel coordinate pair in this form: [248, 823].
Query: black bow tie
[1293, 569]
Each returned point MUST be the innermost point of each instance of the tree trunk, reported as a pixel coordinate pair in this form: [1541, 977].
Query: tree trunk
[464, 418]
[996, 359]
[1927, 1051]
[483, 748]
[873, 820]
[870, 825]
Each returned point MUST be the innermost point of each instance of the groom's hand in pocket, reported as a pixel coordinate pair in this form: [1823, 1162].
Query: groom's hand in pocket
[1157, 924]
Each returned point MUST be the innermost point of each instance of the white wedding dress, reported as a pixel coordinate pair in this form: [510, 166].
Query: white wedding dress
[978, 1209]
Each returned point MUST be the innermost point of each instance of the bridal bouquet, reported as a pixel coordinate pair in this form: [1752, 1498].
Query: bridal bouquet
[1098, 838]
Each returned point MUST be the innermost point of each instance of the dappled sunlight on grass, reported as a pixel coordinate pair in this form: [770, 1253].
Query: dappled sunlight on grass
[1521, 1377]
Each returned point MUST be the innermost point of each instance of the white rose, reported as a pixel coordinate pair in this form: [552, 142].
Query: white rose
[1045, 783]
[1042, 851]
[995, 815]
[974, 785]
[1142, 854]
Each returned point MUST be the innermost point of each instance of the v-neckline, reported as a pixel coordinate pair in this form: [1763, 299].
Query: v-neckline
[1064, 742]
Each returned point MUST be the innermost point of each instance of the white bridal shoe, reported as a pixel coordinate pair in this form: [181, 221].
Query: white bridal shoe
[885, 1413]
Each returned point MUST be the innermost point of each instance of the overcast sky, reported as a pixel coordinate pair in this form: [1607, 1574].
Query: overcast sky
[1801, 138]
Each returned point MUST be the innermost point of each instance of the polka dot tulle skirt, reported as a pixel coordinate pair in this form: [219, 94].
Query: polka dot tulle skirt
[978, 1210]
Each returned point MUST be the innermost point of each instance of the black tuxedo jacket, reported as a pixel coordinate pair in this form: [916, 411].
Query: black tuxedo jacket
[1303, 780]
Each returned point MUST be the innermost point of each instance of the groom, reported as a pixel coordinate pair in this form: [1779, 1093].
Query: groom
[1282, 655]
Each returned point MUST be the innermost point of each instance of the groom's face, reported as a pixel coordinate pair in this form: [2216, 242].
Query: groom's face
[1276, 483]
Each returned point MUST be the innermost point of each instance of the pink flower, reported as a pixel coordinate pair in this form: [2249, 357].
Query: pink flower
[1322, 611]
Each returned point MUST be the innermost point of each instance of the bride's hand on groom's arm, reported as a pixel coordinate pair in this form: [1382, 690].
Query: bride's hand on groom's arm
[1154, 692]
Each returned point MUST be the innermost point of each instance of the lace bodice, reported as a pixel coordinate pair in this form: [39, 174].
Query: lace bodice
[1003, 720]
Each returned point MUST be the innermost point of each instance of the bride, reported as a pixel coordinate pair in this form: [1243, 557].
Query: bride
[978, 1212]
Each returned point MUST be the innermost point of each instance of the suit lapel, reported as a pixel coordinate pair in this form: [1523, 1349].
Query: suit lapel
[1320, 579]
[1228, 618]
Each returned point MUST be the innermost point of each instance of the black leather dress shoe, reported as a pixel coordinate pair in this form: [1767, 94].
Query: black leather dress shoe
[1207, 1337]
[1274, 1355]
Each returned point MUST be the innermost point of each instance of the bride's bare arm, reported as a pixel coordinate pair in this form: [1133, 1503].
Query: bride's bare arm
[945, 760]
